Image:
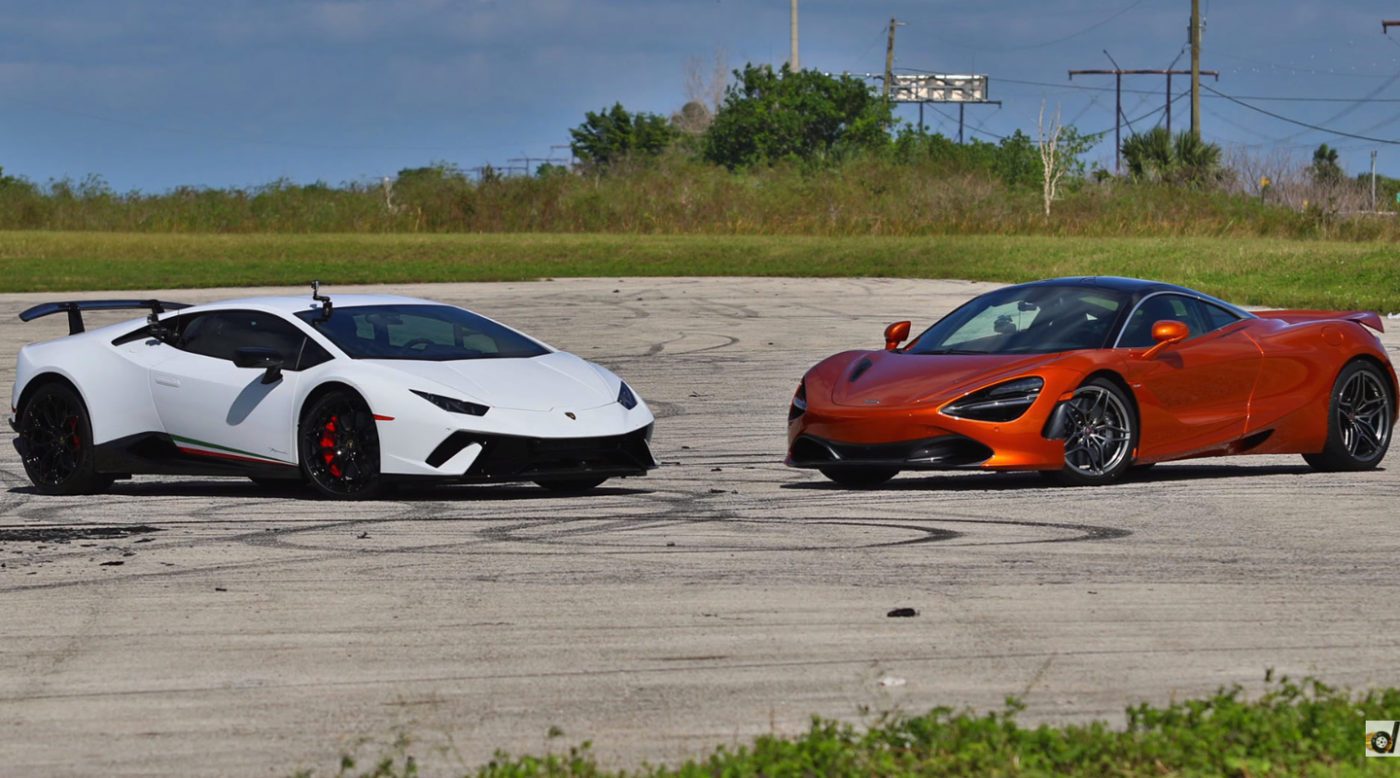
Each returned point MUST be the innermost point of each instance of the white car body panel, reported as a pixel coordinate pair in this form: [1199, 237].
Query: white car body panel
[211, 407]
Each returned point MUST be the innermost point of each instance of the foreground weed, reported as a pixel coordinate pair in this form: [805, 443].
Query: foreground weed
[1294, 728]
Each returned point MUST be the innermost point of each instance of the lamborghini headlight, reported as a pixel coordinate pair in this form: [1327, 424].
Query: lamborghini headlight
[452, 405]
[1002, 402]
[625, 397]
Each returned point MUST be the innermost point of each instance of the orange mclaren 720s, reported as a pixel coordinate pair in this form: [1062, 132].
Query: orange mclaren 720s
[1085, 378]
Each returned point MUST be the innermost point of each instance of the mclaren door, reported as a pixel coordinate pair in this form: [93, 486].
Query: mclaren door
[1193, 396]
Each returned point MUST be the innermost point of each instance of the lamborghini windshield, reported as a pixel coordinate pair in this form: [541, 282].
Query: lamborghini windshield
[437, 333]
[1027, 320]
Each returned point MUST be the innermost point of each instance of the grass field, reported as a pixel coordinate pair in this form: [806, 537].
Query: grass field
[1293, 729]
[1277, 272]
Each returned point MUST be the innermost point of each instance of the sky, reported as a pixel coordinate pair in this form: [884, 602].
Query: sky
[154, 94]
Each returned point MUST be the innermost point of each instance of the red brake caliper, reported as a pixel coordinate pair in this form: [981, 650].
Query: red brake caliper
[328, 448]
[73, 437]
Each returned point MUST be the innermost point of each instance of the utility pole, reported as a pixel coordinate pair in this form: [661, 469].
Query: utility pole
[794, 63]
[889, 57]
[1373, 180]
[1196, 68]
[1118, 74]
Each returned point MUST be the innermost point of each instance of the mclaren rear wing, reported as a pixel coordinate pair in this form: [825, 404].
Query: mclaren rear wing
[75, 308]
[1368, 318]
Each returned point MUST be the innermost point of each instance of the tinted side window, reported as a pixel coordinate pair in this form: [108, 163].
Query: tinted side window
[1137, 333]
[219, 334]
[1217, 317]
[312, 355]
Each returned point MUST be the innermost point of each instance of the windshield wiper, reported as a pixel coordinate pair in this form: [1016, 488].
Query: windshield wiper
[954, 351]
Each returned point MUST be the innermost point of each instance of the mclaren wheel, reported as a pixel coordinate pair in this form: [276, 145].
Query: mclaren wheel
[56, 435]
[860, 477]
[571, 485]
[339, 447]
[1102, 432]
[1359, 421]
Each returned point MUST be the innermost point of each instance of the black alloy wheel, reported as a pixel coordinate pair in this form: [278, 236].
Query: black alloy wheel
[339, 447]
[1102, 433]
[1359, 421]
[56, 434]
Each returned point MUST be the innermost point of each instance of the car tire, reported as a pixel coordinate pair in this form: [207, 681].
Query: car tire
[571, 485]
[860, 477]
[56, 432]
[338, 442]
[1380, 742]
[1102, 437]
[1360, 420]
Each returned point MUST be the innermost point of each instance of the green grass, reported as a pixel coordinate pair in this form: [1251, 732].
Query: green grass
[1285, 273]
[1292, 729]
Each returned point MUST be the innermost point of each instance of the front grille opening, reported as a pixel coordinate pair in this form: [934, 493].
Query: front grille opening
[951, 451]
[810, 450]
[932, 453]
[450, 447]
[505, 458]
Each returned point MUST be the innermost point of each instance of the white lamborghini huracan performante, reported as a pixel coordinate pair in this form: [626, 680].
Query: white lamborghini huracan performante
[347, 397]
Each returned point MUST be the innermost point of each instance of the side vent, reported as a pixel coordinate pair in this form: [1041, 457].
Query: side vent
[860, 368]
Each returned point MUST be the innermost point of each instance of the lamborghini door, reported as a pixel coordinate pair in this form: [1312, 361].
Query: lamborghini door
[213, 408]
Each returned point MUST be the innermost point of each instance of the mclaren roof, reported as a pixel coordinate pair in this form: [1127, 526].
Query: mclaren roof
[1136, 288]
[1116, 283]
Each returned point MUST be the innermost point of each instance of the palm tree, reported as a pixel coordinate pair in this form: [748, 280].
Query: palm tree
[1158, 157]
[1325, 168]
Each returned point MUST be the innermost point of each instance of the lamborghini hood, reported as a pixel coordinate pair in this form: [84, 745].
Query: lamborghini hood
[554, 380]
[892, 379]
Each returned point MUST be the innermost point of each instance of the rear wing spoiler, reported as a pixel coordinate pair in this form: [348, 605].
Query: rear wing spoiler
[75, 308]
[1367, 318]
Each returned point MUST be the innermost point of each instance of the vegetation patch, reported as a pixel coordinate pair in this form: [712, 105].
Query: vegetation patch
[1294, 728]
[1283, 273]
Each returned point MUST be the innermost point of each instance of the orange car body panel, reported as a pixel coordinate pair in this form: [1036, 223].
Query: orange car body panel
[1259, 385]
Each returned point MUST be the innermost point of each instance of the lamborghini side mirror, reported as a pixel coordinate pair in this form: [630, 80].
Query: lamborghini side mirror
[266, 359]
[1166, 333]
[896, 334]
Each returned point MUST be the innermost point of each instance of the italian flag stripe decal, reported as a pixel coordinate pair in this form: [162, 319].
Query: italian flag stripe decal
[203, 448]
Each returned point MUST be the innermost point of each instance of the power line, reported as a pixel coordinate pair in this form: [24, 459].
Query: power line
[1299, 69]
[975, 129]
[1263, 98]
[1317, 127]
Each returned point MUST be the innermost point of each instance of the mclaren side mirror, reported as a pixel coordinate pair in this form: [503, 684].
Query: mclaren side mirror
[266, 359]
[896, 334]
[1166, 333]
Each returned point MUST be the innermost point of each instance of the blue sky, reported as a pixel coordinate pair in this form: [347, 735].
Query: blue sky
[152, 94]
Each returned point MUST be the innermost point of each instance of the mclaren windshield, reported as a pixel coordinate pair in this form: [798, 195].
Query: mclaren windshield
[1027, 320]
[437, 333]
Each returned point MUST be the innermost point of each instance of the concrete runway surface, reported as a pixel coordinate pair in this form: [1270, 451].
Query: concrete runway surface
[721, 597]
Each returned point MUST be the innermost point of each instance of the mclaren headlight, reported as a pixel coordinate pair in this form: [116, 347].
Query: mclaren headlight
[799, 402]
[625, 398]
[452, 405]
[1002, 402]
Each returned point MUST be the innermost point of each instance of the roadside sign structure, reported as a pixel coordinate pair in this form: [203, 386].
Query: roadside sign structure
[924, 88]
